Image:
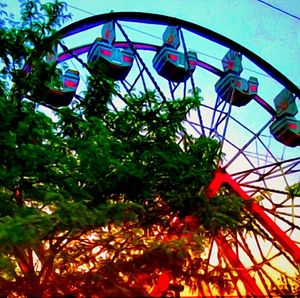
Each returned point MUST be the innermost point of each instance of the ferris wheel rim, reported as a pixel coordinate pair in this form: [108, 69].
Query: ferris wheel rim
[159, 19]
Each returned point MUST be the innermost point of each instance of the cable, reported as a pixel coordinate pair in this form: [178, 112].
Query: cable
[81, 10]
[279, 9]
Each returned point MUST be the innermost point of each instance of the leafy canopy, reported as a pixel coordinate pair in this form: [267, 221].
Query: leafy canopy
[90, 198]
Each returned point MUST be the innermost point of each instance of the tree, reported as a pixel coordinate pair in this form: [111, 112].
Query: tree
[94, 201]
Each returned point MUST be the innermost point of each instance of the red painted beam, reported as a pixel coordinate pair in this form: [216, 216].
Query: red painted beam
[222, 178]
[162, 284]
[249, 283]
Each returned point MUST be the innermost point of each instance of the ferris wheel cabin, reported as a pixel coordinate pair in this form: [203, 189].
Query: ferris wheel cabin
[286, 128]
[118, 61]
[231, 87]
[171, 64]
[63, 97]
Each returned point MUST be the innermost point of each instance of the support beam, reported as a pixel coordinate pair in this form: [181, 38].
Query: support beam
[248, 281]
[222, 178]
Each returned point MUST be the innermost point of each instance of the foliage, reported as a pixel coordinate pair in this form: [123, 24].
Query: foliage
[95, 200]
[294, 189]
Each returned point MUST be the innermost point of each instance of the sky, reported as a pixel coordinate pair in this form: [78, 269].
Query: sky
[271, 34]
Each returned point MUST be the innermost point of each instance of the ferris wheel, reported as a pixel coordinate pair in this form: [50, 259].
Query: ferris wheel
[248, 105]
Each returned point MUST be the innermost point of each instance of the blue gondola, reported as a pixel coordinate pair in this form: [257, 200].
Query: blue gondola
[172, 64]
[231, 87]
[286, 131]
[118, 61]
[63, 97]
[286, 128]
